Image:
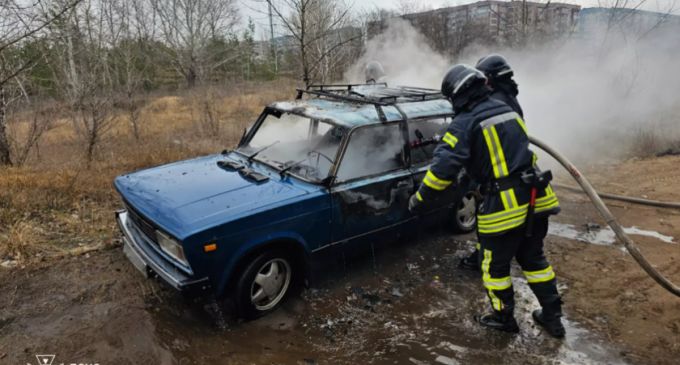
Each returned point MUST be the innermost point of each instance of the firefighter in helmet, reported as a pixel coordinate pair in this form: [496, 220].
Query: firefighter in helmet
[489, 140]
[375, 73]
[499, 74]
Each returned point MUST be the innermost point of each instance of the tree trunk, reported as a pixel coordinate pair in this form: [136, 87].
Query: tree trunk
[5, 159]
[191, 77]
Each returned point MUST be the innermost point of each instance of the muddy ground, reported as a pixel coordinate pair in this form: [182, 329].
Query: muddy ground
[97, 308]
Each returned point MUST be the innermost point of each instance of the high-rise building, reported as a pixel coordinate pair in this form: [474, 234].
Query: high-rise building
[596, 21]
[499, 18]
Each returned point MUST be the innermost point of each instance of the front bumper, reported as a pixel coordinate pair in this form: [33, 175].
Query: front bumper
[153, 266]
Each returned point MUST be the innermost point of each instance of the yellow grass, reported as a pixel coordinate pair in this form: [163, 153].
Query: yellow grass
[55, 202]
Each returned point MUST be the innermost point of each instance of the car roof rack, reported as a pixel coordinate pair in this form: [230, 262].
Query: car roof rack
[378, 94]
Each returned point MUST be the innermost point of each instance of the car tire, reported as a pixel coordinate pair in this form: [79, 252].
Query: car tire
[464, 215]
[263, 285]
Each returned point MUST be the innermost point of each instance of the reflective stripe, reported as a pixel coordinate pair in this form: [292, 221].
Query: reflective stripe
[503, 226]
[418, 196]
[462, 82]
[450, 139]
[498, 119]
[551, 200]
[547, 207]
[521, 124]
[479, 246]
[504, 72]
[512, 218]
[495, 302]
[500, 166]
[540, 276]
[492, 154]
[493, 284]
[499, 150]
[434, 182]
[497, 284]
[496, 217]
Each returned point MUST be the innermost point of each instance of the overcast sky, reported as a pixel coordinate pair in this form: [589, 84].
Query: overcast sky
[261, 19]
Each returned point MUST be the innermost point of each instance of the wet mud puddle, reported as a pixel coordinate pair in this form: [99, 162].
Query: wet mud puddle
[601, 236]
[412, 305]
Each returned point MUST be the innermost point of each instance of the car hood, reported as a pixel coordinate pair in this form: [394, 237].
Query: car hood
[186, 196]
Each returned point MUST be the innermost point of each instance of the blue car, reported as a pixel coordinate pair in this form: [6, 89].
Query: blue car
[326, 174]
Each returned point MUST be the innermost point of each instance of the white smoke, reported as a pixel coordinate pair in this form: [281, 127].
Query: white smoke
[592, 100]
[405, 57]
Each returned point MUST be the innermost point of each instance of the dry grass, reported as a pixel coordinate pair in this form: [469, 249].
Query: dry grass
[55, 203]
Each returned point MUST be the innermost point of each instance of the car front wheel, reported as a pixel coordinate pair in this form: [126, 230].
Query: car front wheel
[263, 285]
[465, 215]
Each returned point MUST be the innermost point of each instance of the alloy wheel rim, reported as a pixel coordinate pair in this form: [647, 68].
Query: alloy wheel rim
[270, 284]
[467, 210]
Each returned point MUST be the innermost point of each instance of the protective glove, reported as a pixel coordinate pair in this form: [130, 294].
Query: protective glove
[415, 204]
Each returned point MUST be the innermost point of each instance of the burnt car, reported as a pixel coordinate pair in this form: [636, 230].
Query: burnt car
[324, 175]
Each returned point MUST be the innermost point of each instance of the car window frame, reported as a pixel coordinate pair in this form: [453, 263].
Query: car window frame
[419, 120]
[278, 113]
[403, 127]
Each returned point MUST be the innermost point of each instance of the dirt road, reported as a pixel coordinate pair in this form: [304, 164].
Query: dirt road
[98, 309]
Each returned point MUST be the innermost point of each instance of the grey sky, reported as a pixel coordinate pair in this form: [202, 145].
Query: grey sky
[651, 5]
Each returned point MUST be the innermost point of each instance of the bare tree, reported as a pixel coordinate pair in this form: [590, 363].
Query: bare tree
[191, 29]
[36, 121]
[406, 7]
[19, 21]
[131, 58]
[317, 29]
[81, 61]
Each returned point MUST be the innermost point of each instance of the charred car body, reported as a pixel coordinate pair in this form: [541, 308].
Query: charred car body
[328, 173]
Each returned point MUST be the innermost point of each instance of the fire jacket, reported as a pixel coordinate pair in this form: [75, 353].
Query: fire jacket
[490, 142]
[499, 93]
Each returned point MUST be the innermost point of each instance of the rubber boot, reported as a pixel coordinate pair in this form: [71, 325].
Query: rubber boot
[471, 262]
[499, 321]
[549, 319]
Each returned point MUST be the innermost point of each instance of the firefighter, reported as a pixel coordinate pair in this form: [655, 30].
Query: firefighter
[490, 141]
[499, 74]
[374, 73]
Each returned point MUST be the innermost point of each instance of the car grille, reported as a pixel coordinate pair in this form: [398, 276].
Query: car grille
[142, 225]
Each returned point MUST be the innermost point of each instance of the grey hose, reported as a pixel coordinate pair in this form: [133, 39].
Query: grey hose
[654, 203]
[609, 217]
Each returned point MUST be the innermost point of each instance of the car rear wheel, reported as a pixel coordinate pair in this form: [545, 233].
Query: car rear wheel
[263, 285]
[465, 215]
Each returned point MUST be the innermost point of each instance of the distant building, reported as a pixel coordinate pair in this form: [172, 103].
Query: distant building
[498, 17]
[595, 21]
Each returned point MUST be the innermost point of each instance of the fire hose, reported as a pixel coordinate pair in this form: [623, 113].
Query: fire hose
[609, 217]
[654, 203]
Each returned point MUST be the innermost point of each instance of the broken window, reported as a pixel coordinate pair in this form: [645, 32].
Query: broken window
[423, 155]
[309, 144]
[371, 151]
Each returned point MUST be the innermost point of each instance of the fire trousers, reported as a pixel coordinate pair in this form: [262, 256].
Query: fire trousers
[495, 255]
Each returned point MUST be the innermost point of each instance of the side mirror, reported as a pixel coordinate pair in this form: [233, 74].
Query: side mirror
[419, 134]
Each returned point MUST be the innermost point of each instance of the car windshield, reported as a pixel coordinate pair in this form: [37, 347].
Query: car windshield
[308, 145]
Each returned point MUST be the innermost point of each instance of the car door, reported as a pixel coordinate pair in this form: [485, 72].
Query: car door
[373, 185]
[421, 158]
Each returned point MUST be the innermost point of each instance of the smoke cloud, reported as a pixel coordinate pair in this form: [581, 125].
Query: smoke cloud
[595, 98]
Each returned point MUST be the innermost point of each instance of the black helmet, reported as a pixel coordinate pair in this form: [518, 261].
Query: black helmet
[464, 84]
[494, 66]
[374, 72]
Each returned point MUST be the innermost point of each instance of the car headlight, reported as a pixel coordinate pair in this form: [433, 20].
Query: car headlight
[171, 247]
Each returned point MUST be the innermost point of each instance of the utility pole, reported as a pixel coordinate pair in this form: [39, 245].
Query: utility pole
[271, 38]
